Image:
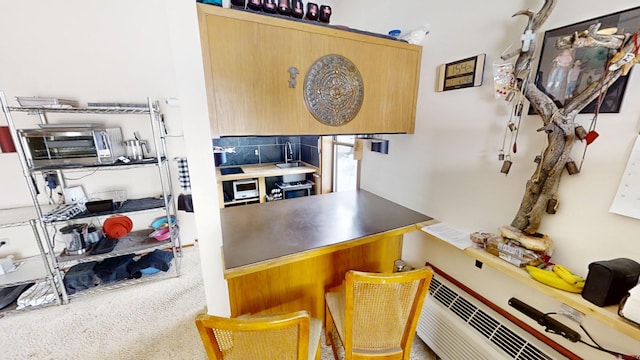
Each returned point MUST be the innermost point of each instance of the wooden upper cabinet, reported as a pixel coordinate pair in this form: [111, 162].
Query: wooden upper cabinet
[247, 56]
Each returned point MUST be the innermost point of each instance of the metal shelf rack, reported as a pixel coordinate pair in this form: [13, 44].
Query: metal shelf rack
[31, 269]
[137, 242]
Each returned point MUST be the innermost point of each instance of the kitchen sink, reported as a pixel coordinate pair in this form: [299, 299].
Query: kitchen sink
[289, 164]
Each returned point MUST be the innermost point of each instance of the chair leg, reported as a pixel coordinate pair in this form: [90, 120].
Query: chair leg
[328, 326]
[328, 332]
[334, 348]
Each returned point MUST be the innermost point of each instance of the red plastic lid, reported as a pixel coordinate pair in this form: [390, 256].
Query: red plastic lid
[117, 226]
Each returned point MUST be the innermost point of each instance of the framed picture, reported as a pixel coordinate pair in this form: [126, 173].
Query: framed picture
[562, 74]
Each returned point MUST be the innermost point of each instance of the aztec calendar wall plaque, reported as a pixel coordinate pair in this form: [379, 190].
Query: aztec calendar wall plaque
[333, 90]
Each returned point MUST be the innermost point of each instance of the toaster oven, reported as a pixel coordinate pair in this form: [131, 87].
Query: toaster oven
[245, 189]
[79, 145]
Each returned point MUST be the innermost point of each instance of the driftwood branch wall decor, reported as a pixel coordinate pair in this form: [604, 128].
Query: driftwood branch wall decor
[558, 122]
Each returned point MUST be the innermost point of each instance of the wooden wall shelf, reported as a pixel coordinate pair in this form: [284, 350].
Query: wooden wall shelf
[607, 315]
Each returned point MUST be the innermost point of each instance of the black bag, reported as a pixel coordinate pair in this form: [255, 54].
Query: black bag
[609, 281]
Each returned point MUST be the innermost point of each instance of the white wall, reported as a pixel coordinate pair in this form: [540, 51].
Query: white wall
[128, 50]
[112, 52]
[116, 51]
[449, 169]
[190, 78]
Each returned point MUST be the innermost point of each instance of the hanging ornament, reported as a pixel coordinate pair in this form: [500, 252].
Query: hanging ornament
[506, 165]
[503, 80]
[591, 136]
[506, 79]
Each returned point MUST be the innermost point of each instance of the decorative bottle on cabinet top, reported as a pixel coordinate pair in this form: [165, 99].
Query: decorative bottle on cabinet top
[284, 7]
[255, 5]
[312, 11]
[238, 4]
[325, 13]
[269, 6]
[297, 9]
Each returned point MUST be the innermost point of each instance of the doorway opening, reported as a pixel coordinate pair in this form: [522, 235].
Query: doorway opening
[345, 169]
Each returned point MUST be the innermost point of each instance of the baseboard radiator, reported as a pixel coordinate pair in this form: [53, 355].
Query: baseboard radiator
[456, 326]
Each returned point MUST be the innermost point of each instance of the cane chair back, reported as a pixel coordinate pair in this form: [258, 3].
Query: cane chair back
[278, 337]
[376, 314]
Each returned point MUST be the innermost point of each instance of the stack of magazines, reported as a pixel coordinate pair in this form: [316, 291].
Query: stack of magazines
[630, 306]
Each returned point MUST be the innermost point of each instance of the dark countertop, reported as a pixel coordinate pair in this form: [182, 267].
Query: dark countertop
[258, 232]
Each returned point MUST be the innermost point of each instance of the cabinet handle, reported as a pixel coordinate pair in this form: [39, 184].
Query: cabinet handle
[293, 72]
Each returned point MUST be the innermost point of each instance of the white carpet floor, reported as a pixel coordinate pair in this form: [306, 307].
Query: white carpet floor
[152, 320]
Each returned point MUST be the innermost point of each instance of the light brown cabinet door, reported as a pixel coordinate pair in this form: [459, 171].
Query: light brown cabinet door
[247, 57]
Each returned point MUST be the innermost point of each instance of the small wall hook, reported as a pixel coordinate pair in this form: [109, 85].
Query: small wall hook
[293, 72]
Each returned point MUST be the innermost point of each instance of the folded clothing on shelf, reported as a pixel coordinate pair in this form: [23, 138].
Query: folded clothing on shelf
[114, 269]
[80, 277]
[141, 204]
[157, 259]
[64, 212]
[9, 295]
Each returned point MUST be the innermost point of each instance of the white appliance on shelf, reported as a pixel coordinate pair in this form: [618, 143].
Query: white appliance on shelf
[7, 265]
[245, 189]
[457, 326]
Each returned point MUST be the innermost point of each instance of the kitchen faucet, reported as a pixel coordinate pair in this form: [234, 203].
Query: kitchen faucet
[288, 152]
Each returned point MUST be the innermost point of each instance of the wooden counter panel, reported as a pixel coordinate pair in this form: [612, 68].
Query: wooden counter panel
[282, 256]
[301, 285]
[275, 262]
[281, 230]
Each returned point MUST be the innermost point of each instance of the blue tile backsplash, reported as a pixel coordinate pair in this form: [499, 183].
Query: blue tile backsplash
[268, 149]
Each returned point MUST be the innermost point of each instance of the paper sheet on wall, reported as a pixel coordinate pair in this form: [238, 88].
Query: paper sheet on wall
[453, 236]
[627, 199]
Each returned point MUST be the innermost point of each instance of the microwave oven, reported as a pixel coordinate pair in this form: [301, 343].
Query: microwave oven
[245, 189]
[73, 145]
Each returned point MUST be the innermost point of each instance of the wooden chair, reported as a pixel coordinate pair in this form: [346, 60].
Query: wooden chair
[294, 336]
[376, 314]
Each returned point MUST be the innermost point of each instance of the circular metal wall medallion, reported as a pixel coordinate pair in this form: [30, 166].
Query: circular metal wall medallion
[333, 90]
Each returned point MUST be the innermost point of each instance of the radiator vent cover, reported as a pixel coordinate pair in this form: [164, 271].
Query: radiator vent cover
[442, 335]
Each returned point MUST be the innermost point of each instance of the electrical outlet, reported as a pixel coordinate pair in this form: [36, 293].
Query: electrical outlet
[571, 313]
[52, 179]
[257, 152]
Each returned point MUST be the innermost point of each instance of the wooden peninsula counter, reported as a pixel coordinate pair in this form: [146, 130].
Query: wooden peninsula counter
[283, 255]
